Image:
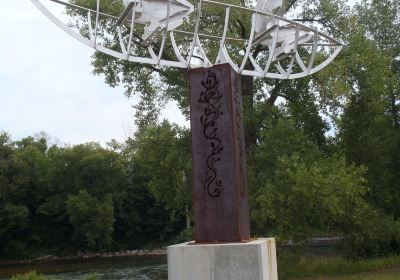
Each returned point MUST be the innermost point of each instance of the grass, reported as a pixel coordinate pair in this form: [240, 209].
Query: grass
[29, 276]
[33, 275]
[379, 275]
[292, 267]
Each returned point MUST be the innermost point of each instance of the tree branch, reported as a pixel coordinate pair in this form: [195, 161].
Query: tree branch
[243, 29]
[286, 97]
[321, 21]
[290, 4]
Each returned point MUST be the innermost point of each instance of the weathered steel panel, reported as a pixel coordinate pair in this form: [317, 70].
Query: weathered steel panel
[218, 151]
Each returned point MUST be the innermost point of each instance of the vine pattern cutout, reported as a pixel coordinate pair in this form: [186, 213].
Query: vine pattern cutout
[212, 98]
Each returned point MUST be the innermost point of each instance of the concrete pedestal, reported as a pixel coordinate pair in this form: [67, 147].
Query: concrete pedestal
[255, 260]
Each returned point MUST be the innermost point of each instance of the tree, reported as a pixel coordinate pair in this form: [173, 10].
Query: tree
[61, 200]
[141, 221]
[22, 170]
[301, 193]
[6, 149]
[92, 220]
[303, 199]
[361, 91]
[87, 167]
[14, 220]
[161, 153]
[381, 22]
[366, 130]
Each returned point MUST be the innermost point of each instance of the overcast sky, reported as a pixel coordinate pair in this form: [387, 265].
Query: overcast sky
[46, 83]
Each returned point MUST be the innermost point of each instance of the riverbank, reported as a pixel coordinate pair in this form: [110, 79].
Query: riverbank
[135, 265]
[106, 268]
[86, 256]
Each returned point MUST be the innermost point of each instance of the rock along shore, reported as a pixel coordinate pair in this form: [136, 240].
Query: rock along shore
[87, 256]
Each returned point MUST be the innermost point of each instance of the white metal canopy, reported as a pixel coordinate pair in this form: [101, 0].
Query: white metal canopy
[290, 49]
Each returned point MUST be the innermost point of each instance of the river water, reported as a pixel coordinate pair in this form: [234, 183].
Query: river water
[121, 268]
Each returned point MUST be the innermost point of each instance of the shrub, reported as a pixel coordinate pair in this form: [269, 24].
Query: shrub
[91, 276]
[29, 276]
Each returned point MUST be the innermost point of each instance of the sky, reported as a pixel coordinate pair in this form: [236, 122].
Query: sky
[46, 84]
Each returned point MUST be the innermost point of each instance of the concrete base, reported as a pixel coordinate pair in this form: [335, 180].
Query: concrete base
[255, 260]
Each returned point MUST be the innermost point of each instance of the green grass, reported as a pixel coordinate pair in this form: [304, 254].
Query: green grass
[292, 267]
[33, 275]
[378, 275]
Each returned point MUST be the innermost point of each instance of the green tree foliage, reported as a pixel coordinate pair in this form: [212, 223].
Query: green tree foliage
[298, 192]
[13, 221]
[313, 198]
[64, 199]
[140, 220]
[361, 91]
[93, 221]
[159, 155]
[88, 167]
[61, 200]
[367, 132]
[22, 172]
[371, 119]
[162, 151]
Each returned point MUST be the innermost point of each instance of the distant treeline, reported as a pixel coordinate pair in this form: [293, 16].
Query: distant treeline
[64, 200]
[69, 199]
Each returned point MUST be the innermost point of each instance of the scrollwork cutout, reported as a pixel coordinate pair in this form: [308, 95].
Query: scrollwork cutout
[211, 97]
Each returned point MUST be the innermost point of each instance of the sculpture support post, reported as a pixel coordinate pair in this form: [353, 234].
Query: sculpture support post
[219, 165]
[220, 188]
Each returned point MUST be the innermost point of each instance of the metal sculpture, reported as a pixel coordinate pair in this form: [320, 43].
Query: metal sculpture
[172, 33]
[292, 48]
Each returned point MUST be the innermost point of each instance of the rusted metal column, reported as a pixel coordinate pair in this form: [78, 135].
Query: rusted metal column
[219, 165]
